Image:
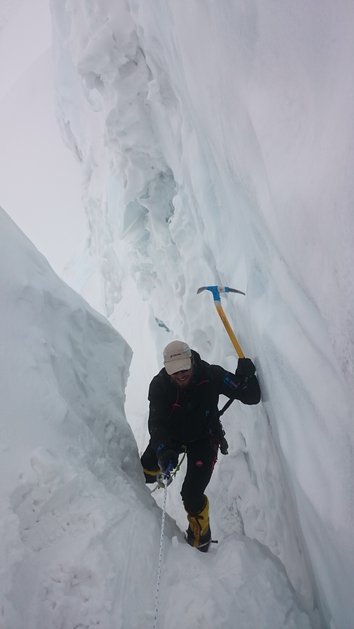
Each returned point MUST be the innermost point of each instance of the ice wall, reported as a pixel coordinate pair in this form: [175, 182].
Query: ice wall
[70, 471]
[213, 152]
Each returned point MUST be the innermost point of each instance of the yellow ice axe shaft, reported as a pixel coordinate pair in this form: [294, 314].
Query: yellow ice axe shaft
[229, 330]
[216, 290]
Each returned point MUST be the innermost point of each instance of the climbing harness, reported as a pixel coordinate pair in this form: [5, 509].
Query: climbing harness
[158, 578]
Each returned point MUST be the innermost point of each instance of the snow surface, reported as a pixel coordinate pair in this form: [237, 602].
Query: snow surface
[216, 144]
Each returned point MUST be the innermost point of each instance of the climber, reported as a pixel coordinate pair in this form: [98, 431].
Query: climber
[184, 416]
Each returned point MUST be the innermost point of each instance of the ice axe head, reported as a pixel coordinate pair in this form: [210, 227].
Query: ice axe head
[216, 290]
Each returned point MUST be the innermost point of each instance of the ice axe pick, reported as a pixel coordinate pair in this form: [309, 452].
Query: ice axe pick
[215, 291]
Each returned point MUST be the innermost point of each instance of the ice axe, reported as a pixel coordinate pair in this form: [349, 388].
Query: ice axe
[216, 290]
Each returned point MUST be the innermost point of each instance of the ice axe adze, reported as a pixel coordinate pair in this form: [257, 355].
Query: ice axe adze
[216, 290]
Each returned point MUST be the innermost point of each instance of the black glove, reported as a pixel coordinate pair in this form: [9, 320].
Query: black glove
[167, 460]
[219, 435]
[224, 446]
[245, 367]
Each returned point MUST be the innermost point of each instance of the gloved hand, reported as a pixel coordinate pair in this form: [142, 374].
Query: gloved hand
[167, 460]
[224, 446]
[245, 367]
[219, 436]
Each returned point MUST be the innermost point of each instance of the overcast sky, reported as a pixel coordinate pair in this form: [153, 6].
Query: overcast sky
[39, 178]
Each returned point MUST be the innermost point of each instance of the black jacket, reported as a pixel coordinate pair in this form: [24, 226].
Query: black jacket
[190, 414]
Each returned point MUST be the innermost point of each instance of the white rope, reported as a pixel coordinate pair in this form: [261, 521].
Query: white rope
[158, 578]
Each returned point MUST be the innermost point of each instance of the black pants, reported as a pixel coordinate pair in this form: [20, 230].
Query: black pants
[201, 458]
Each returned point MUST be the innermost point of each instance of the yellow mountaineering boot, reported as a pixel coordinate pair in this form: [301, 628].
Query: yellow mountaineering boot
[151, 475]
[198, 532]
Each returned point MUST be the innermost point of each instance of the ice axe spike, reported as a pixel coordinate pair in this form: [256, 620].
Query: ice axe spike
[216, 290]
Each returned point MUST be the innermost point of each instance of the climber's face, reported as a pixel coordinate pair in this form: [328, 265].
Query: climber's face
[182, 378]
